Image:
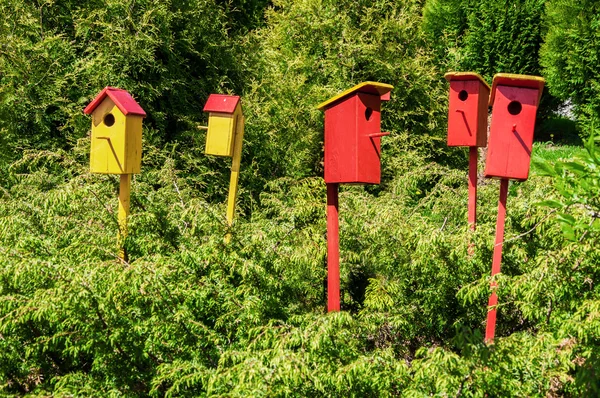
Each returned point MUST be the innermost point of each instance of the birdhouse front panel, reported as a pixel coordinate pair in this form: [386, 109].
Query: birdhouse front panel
[467, 113]
[511, 132]
[352, 153]
[224, 113]
[220, 136]
[340, 142]
[107, 153]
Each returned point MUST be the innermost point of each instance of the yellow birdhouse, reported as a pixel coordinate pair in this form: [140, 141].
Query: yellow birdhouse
[116, 132]
[224, 115]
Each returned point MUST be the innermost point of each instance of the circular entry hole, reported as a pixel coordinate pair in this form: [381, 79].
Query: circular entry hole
[514, 108]
[463, 95]
[109, 119]
[368, 113]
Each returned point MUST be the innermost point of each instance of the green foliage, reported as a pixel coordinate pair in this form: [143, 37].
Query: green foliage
[310, 51]
[57, 55]
[577, 181]
[189, 315]
[490, 37]
[486, 36]
[571, 55]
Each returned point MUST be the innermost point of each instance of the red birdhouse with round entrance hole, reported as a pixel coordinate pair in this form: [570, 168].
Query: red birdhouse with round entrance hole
[467, 109]
[515, 100]
[353, 134]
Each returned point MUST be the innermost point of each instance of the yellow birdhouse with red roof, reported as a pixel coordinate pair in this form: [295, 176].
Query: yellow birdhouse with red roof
[116, 132]
[224, 114]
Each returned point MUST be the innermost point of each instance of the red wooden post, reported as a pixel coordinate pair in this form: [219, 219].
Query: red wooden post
[333, 249]
[472, 186]
[490, 328]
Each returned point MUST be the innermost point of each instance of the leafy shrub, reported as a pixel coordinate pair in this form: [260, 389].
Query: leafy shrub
[190, 315]
[570, 57]
[486, 37]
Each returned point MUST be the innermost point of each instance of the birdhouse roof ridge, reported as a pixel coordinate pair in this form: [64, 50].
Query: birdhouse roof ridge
[514, 80]
[221, 103]
[381, 89]
[462, 76]
[122, 99]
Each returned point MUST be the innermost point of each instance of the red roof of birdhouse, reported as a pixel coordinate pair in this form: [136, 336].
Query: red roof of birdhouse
[221, 103]
[122, 99]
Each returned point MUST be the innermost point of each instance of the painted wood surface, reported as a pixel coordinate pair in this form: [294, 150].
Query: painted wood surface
[333, 249]
[123, 213]
[490, 329]
[467, 113]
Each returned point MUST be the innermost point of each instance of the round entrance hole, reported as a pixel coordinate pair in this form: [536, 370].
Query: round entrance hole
[463, 95]
[109, 119]
[368, 113]
[514, 108]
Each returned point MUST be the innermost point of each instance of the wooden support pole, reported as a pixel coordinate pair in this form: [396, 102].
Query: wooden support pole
[472, 194]
[472, 187]
[333, 249]
[235, 172]
[490, 329]
[123, 214]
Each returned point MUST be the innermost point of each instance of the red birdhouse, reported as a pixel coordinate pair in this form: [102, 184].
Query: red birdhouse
[353, 134]
[468, 109]
[515, 100]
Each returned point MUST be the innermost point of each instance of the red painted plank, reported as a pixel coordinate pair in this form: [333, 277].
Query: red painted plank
[467, 113]
[511, 132]
[333, 249]
[472, 187]
[490, 329]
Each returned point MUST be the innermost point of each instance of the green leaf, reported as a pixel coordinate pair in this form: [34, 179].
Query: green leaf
[543, 168]
[550, 203]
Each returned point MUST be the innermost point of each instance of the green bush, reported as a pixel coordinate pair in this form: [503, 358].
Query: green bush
[189, 315]
[487, 37]
[56, 57]
[571, 54]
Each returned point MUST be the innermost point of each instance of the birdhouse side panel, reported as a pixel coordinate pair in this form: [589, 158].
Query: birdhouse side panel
[133, 145]
[511, 133]
[340, 142]
[107, 153]
[220, 134]
[368, 122]
[482, 114]
[464, 113]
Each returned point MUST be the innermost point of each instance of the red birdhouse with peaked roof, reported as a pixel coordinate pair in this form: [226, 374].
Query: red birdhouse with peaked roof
[467, 109]
[116, 146]
[353, 134]
[515, 100]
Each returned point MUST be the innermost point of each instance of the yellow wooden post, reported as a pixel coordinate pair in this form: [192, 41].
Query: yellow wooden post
[124, 192]
[235, 171]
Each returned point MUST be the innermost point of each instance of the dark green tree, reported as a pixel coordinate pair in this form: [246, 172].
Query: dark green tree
[571, 57]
